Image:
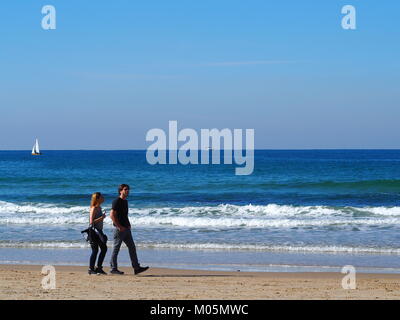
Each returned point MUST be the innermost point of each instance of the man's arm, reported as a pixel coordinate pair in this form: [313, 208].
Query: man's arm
[113, 216]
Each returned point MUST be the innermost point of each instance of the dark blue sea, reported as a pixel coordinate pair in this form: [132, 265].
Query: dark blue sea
[299, 210]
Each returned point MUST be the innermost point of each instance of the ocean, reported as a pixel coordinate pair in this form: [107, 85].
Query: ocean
[307, 210]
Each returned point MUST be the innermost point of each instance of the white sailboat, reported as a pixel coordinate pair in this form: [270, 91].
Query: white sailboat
[35, 149]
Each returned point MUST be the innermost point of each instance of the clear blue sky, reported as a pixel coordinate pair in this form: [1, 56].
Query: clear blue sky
[112, 70]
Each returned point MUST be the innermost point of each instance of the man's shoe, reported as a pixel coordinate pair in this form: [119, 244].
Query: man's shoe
[91, 271]
[100, 271]
[140, 270]
[116, 271]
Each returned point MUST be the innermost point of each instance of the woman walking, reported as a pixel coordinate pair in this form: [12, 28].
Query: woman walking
[97, 239]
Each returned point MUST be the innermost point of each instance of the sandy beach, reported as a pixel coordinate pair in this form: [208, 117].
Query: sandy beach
[72, 282]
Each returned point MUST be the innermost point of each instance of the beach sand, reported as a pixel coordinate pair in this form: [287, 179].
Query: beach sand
[73, 282]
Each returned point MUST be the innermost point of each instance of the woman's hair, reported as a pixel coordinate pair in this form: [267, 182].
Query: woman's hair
[96, 197]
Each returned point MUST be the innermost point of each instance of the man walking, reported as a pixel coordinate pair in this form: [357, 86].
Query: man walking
[122, 232]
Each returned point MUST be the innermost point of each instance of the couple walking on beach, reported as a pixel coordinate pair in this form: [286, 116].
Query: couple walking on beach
[122, 233]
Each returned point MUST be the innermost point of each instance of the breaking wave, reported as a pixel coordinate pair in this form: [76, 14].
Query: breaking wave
[213, 246]
[203, 217]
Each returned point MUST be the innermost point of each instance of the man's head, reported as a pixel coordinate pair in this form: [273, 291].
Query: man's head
[123, 191]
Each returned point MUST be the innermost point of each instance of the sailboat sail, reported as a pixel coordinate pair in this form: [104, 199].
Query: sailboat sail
[35, 149]
[37, 146]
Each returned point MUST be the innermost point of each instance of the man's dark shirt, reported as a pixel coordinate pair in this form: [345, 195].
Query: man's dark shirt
[121, 207]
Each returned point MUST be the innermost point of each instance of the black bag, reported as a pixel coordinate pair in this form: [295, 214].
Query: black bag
[89, 234]
[93, 235]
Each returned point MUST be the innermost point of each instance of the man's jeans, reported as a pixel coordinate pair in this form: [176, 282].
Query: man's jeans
[126, 237]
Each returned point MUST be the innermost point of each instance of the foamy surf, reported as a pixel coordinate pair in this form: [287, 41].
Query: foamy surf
[213, 246]
[207, 217]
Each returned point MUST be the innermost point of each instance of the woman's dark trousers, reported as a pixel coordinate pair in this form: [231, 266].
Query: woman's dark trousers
[96, 244]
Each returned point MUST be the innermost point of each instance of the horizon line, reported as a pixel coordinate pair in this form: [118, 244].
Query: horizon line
[256, 149]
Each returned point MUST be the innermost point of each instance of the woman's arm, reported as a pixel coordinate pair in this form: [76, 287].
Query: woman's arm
[92, 214]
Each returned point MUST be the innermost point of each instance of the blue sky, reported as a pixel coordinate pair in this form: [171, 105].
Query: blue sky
[112, 70]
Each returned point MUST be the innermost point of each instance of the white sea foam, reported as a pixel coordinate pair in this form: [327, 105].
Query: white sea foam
[278, 248]
[45, 244]
[203, 217]
[39, 209]
[215, 247]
